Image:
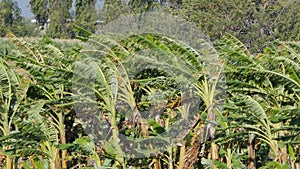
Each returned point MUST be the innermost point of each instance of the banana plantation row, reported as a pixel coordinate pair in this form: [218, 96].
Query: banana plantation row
[105, 104]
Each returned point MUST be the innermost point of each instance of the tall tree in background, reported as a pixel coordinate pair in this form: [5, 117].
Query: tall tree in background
[10, 15]
[40, 9]
[153, 5]
[253, 22]
[113, 9]
[60, 19]
[85, 15]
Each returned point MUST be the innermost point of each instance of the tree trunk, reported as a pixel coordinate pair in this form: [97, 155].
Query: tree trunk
[63, 140]
[8, 162]
[57, 160]
[214, 154]
[251, 153]
[181, 155]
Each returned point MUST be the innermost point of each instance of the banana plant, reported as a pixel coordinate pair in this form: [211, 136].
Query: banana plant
[50, 69]
[13, 89]
[265, 89]
[130, 72]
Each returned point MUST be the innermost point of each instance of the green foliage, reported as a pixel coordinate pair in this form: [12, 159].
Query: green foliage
[85, 15]
[60, 19]
[11, 20]
[41, 10]
[255, 23]
[113, 9]
[10, 12]
[264, 97]
[10, 15]
[39, 60]
[41, 85]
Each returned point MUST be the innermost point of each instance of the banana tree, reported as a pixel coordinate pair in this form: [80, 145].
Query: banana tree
[13, 89]
[146, 74]
[265, 89]
[50, 69]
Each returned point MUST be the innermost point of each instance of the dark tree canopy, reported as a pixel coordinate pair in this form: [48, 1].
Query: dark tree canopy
[60, 19]
[12, 20]
[253, 22]
[9, 12]
[40, 9]
[85, 14]
[113, 9]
